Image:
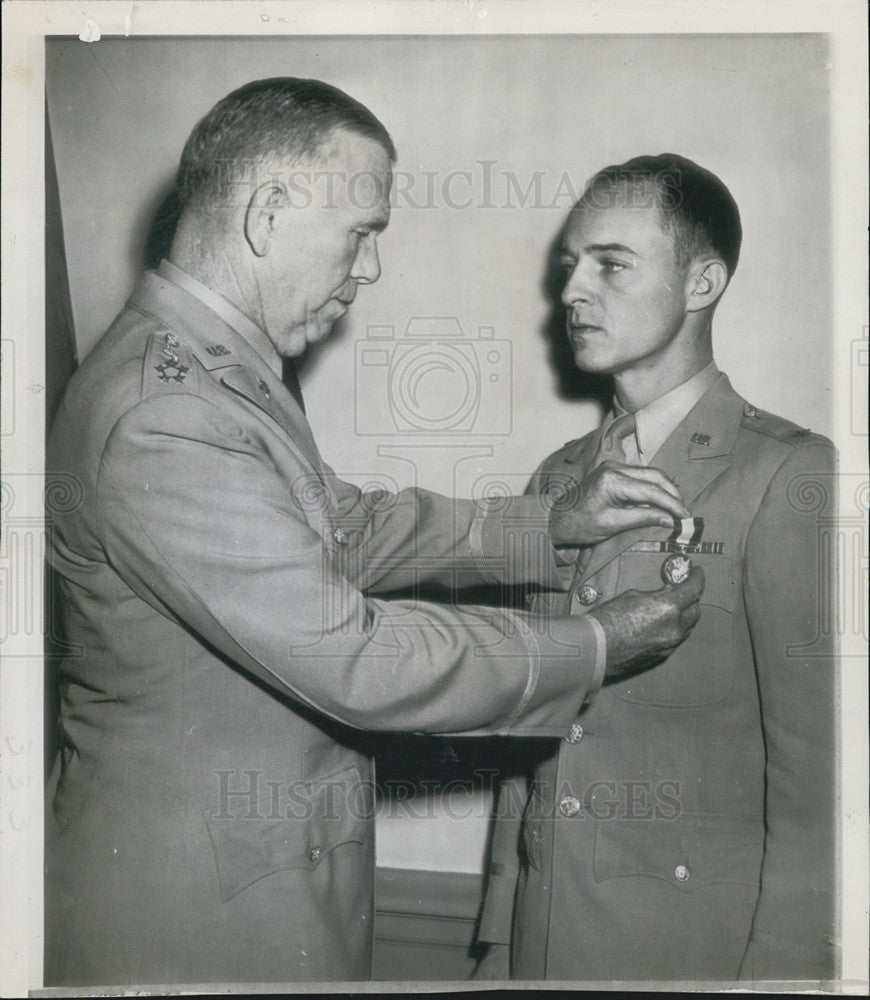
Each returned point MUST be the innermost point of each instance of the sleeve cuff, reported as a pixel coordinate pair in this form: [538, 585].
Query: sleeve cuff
[566, 667]
[600, 659]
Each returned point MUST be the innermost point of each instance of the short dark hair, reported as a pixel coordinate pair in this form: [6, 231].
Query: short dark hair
[694, 204]
[284, 116]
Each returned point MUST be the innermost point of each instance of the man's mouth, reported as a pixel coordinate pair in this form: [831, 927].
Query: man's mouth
[581, 329]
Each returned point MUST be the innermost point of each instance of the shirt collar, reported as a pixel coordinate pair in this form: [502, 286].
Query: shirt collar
[229, 313]
[657, 420]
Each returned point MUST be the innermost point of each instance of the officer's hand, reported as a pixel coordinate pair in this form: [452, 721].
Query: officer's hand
[644, 627]
[613, 498]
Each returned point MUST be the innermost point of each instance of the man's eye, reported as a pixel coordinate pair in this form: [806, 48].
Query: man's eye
[567, 265]
[613, 265]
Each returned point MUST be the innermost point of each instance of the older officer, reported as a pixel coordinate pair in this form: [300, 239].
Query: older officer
[683, 828]
[210, 812]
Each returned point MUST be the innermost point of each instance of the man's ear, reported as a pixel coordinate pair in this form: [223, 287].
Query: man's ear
[708, 279]
[260, 217]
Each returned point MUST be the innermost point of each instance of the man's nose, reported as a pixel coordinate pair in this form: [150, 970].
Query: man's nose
[367, 266]
[577, 286]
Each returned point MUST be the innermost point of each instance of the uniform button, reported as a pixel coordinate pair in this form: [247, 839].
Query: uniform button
[340, 536]
[314, 854]
[569, 806]
[587, 595]
[575, 734]
[681, 873]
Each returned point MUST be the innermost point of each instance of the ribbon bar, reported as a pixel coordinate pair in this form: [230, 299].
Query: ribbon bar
[697, 548]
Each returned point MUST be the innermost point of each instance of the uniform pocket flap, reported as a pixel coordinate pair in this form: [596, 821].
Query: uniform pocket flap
[685, 854]
[255, 839]
[700, 671]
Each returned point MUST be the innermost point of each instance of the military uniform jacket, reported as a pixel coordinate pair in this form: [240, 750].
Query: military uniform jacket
[684, 828]
[210, 815]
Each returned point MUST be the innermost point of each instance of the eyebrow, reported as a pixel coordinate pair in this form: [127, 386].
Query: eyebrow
[609, 248]
[603, 248]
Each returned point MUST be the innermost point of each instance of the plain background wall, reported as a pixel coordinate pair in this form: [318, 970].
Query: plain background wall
[754, 109]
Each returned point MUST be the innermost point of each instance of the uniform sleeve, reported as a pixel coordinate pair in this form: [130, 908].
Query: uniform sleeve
[198, 522]
[788, 593]
[396, 541]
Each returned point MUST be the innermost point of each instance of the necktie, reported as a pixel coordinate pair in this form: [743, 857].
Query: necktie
[290, 378]
[619, 443]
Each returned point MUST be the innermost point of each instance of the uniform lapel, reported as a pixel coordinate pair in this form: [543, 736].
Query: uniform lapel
[227, 357]
[268, 396]
[697, 452]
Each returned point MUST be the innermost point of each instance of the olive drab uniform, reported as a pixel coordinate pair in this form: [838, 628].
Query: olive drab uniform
[684, 827]
[210, 814]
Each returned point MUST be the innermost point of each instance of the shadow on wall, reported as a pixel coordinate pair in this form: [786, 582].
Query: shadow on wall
[162, 230]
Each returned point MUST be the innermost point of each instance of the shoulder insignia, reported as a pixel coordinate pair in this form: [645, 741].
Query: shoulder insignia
[776, 427]
[172, 370]
[168, 364]
[703, 439]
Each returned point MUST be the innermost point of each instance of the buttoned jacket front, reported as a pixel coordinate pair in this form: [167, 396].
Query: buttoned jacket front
[683, 829]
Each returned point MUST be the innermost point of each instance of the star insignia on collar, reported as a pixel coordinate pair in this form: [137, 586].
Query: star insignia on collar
[167, 372]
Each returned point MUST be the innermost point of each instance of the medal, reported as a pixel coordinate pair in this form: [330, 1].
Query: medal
[686, 535]
[676, 568]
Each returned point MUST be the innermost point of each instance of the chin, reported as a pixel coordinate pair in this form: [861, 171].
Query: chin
[292, 345]
[586, 361]
[319, 335]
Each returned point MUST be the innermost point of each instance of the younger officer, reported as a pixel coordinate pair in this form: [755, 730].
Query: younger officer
[683, 828]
